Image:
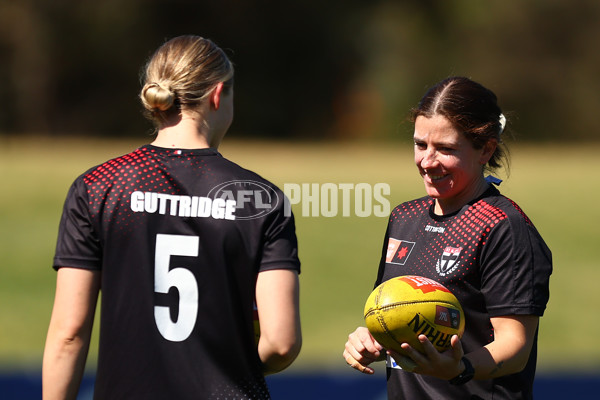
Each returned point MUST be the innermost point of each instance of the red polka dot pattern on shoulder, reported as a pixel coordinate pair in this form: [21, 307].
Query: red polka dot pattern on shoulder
[110, 184]
[520, 211]
[411, 210]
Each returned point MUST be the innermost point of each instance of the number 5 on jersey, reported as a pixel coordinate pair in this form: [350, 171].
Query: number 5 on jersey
[182, 279]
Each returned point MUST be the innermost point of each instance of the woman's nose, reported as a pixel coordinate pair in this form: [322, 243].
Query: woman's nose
[429, 159]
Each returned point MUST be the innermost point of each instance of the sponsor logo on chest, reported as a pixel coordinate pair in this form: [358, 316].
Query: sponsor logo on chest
[435, 229]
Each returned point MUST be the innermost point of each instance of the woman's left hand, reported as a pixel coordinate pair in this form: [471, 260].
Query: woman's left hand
[444, 365]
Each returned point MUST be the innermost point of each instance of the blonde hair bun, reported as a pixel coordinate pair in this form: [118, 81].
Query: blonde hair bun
[157, 97]
[180, 75]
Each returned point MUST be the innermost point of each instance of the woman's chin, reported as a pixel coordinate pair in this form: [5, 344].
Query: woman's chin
[433, 191]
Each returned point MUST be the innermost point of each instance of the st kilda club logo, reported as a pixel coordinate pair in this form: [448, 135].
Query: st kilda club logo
[448, 262]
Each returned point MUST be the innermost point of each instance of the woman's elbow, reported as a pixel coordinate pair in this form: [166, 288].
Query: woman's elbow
[291, 350]
[288, 348]
[521, 361]
[277, 356]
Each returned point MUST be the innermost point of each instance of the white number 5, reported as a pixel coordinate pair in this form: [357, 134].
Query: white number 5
[180, 278]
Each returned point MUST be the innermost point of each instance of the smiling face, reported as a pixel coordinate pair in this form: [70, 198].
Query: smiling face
[452, 169]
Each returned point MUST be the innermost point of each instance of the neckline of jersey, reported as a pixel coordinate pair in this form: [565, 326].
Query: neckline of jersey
[178, 152]
[490, 191]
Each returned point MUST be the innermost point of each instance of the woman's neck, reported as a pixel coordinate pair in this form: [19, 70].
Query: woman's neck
[185, 134]
[449, 206]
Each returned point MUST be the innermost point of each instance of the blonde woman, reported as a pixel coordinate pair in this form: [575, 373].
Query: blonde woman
[183, 255]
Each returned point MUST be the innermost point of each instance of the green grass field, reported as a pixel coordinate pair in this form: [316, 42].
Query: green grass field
[556, 184]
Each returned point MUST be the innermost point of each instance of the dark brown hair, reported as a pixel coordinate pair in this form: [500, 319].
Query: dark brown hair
[472, 109]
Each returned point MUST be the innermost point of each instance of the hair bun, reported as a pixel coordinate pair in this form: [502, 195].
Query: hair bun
[157, 97]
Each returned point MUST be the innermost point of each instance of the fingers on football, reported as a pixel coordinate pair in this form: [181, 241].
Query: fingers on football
[410, 352]
[364, 343]
[361, 350]
[364, 352]
[351, 361]
[457, 349]
[428, 348]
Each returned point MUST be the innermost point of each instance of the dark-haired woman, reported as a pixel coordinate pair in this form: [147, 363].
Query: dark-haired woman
[476, 242]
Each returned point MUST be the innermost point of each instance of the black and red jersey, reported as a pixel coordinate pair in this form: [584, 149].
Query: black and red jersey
[494, 261]
[179, 236]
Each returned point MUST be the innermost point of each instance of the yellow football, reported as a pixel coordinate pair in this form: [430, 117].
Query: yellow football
[402, 308]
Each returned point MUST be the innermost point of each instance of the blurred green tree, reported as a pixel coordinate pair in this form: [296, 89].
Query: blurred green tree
[305, 68]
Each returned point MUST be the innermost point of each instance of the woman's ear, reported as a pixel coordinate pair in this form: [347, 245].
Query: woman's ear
[215, 96]
[487, 151]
